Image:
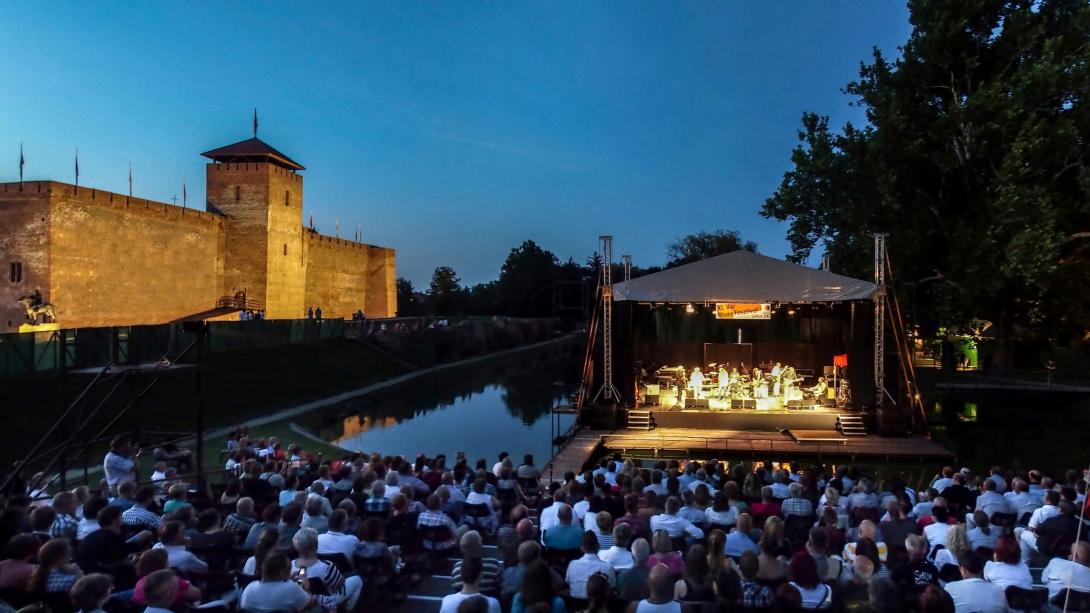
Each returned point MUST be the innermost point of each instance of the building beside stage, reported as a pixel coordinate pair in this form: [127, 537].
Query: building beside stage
[106, 259]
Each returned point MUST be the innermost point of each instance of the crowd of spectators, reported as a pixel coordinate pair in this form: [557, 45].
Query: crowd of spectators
[289, 531]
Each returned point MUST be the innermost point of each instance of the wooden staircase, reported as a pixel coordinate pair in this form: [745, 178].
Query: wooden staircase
[850, 425]
[639, 420]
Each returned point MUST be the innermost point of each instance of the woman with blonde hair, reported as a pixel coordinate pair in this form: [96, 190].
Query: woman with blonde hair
[956, 545]
[717, 557]
[773, 531]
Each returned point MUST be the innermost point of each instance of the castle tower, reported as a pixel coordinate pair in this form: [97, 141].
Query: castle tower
[260, 192]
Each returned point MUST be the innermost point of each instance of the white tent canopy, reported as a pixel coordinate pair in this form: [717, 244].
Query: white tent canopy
[742, 276]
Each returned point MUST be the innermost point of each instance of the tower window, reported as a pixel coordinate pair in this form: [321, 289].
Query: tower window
[285, 248]
[287, 198]
[16, 275]
[238, 194]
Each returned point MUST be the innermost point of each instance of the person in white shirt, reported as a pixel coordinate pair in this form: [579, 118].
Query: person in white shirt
[973, 594]
[1061, 573]
[335, 540]
[340, 590]
[673, 525]
[499, 464]
[618, 556]
[780, 488]
[946, 480]
[581, 569]
[1028, 537]
[991, 501]
[1007, 568]
[1021, 501]
[470, 573]
[172, 538]
[658, 483]
[548, 518]
[721, 512]
[117, 465]
[274, 592]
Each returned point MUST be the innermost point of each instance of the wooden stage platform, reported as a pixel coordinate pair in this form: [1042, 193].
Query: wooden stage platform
[767, 420]
[772, 445]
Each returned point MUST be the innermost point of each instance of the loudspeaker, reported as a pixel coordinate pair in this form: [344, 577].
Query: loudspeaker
[749, 403]
[696, 403]
[794, 404]
[649, 399]
[735, 403]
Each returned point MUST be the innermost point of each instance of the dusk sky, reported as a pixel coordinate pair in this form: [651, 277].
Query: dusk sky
[451, 131]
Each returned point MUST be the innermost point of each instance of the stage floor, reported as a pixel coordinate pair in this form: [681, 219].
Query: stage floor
[810, 418]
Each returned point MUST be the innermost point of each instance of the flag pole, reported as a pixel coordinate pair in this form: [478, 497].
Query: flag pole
[77, 166]
[22, 162]
[185, 196]
[130, 179]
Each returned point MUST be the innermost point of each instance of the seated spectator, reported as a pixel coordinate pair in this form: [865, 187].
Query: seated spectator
[740, 540]
[1007, 568]
[829, 569]
[795, 505]
[154, 560]
[868, 548]
[990, 501]
[231, 492]
[89, 523]
[172, 538]
[240, 522]
[18, 563]
[956, 545]
[1056, 534]
[632, 583]
[64, 523]
[550, 515]
[126, 495]
[291, 518]
[804, 578]
[537, 590]
[469, 598]
[275, 592]
[769, 506]
[1061, 573]
[773, 568]
[314, 515]
[177, 498]
[270, 520]
[936, 530]
[471, 547]
[674, 526]
[208, 533]
[897, 528]
[721, 512]
[139, 515]
[579, 570]
[434, 518]
[664, 553]
[478, 496]
[690, 510]
[106, 549]
[973, 594]
[639, 525]
[618, 556]
[563, 535]
[868, 530]
[660, 583]
[91, 592]
[41, 523]
[754, 593]
[1028, 536]
[855, 594]
[340, 590]
[160, 590]
[917, 572]
[695, 585]
[982, 534]
[336, 540]
[55, 572]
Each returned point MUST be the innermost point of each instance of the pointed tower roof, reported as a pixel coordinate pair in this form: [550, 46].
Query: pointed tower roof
[252, 150]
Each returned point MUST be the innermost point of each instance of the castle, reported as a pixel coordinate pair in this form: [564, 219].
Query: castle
[106, 259]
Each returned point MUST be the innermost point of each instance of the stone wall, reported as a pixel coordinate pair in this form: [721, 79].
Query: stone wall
[24, 218]
[381, 282]
[116, 260]
[287, 260]
[336, 275]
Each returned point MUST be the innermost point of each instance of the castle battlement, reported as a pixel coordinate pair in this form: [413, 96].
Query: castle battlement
[108, 259]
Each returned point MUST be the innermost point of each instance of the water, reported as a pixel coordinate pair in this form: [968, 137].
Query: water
[501, 404]
[1014, 429]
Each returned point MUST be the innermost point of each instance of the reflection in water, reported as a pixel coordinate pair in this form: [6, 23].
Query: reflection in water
[1014, 429]
[485, 408]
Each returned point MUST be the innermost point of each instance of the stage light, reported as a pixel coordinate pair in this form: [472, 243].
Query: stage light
[690, 309]
[791, 311]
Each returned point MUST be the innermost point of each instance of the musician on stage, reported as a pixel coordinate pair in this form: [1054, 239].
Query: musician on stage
[696, 382]
[777, 372]
[789, 379]
[818, 391]
[723, 379]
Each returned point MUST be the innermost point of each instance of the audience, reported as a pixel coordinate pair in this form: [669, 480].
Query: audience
[365, 530]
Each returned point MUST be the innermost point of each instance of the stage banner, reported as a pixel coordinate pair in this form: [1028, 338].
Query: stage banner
[841, 360]
[738, 310]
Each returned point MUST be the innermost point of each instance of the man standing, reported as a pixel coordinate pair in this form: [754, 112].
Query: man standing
[118, 466]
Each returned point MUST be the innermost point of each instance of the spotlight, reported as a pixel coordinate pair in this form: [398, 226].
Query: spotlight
[790, 311]
[690, 309]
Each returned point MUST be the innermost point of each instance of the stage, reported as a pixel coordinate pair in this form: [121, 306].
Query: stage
[816, 418]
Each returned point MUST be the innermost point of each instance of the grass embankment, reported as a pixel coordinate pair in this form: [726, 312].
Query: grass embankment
[239, 385]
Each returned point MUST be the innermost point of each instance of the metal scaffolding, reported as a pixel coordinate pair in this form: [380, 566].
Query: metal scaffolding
[608, 391]
[879, 319]
[627, 259]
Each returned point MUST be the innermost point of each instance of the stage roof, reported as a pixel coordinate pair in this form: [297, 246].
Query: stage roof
[742, 276]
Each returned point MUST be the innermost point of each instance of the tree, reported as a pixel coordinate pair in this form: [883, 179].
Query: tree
[409, 302]
[704, 245]
[525, 286]
[445, 293]
[974, 159]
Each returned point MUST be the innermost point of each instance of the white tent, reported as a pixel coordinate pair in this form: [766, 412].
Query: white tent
[745, 277]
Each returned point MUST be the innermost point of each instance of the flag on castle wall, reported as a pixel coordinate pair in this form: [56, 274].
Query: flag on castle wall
[184, 195]
[22, 162]
[77, 166]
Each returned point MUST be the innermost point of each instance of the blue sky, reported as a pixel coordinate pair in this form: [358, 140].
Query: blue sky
[451, 131]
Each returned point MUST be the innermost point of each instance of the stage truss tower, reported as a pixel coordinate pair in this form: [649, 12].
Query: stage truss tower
[627, 259]
[879, 319]
[608, 391]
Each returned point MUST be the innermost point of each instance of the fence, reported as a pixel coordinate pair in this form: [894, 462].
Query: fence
[47, 352]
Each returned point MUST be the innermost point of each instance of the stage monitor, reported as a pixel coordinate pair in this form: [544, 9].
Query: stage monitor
[738, 310]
